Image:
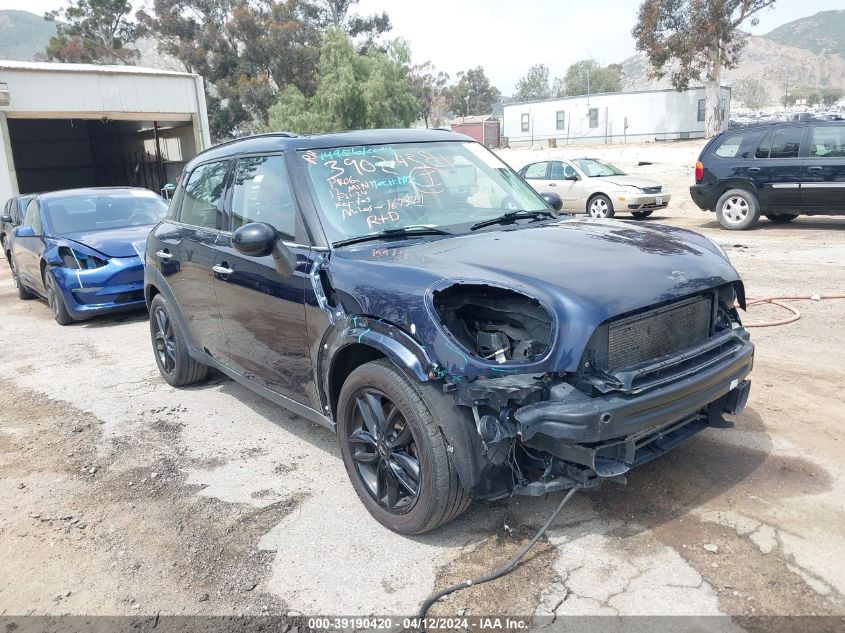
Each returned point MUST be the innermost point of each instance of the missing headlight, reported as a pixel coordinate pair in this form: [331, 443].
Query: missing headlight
[72, 258]
[496, 324]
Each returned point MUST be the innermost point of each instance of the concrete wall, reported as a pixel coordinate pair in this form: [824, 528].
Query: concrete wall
[653, 115]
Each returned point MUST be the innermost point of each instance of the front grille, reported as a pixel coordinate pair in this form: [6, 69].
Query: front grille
[649, 335]
[653, 189]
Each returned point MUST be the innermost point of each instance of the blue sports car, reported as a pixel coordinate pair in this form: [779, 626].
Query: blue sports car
[82, 250]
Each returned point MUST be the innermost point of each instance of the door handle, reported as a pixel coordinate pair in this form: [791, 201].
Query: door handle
[815, 168]
[163, 255]
[754, 169]
[222, 270]
[552, 184]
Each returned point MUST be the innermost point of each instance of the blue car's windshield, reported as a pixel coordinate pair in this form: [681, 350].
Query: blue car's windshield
[366, 189]
[103, 211]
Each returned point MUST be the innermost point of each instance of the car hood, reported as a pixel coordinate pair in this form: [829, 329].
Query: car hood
[125, 242]
[584, 271]
[627, 181]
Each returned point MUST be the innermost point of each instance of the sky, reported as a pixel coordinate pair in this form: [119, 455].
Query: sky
[508, 36]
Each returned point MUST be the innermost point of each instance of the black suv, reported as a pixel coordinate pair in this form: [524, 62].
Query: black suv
[406, 289]
[781, 170]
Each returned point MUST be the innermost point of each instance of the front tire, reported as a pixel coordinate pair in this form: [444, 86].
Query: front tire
[600, 206]
[738, 210]
[394, 452]
[55, 300]
[781, 218]
[171, 353]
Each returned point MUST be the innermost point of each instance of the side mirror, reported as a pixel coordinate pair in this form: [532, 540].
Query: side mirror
[572, 177]
[6, 219]
[259, 239]
[553, 200]
[23, 231]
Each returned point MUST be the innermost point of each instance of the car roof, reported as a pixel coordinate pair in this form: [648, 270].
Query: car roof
[88, 191]
[280, 141]
[768, 125]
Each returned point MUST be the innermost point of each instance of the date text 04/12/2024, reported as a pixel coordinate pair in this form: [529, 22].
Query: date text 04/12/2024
[490, 623]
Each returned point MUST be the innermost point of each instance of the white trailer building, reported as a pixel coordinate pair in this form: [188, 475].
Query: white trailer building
[618, 117]
[80, 125]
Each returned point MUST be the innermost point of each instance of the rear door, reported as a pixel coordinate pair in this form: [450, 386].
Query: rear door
[263, 311]
[183, 246]
[537, 175]
[823, 183]
[777, 169]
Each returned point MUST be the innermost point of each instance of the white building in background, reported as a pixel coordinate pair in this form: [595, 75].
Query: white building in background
[80, 125]
[617, 117]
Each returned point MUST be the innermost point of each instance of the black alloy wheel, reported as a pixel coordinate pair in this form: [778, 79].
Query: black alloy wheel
[164, 340]
[385, 451]
[55, 300]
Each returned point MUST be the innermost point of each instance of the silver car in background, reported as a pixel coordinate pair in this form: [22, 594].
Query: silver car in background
[593, 186]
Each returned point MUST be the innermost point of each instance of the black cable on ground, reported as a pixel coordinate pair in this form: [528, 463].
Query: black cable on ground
[498, 573]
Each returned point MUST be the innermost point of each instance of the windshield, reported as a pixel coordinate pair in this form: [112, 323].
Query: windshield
[364, 190]
[103, 211]
[595, 168]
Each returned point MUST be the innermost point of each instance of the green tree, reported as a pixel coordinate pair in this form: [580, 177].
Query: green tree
[559, 87]
[355, 90]
[535, 84]
[429, 89]
[93, 32]
[472, 94]
[246, 50]
[693, 40]
[587, 76]
[336, 13]
[752, 92]
[830, 96]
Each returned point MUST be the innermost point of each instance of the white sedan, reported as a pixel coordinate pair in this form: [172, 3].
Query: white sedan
[590, 185]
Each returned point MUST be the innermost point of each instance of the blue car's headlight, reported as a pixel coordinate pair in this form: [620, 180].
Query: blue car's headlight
[76, 259]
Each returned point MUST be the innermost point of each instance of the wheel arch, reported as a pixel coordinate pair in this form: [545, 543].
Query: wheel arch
[735, 183]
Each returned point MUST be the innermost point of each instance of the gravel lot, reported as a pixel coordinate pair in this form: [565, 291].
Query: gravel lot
[121, 495]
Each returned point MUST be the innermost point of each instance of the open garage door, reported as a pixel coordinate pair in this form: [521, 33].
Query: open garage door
[51, 154]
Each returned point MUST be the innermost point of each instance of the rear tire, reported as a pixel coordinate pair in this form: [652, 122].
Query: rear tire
[600, 206]
[171, 353]
[738, 210]
[400, 468]
[641, 215]
[781, 218]
[22, 291]
[55, 300]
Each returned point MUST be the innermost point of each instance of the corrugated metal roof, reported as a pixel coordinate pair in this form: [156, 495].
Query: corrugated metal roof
[8, 64]
[474, 118]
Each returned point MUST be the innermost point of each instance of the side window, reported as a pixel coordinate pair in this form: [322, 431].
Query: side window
[557, 171]
[729, 148]
[786, 142]
[33, 218]
[202, 194]
[828, 142]
[524, 121]
[537, 171]
[560, 120]
[764, 147]
[261, 193]
[594, 117]
[702, 108]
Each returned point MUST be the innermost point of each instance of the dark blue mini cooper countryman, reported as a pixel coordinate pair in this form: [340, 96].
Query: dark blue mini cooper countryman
[410, 291]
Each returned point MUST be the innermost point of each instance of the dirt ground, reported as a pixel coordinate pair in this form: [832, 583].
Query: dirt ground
[121, 495]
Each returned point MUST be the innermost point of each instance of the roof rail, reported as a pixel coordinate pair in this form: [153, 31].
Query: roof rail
[243, 138]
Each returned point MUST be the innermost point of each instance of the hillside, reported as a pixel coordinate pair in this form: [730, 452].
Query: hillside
[822, 33]
[762, 58]
[23, 34]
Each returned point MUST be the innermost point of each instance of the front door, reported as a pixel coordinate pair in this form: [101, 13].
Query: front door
[567, 185]
[262, 310]
[26, 251]
[537, 175]
[184, 251]
[823, 184]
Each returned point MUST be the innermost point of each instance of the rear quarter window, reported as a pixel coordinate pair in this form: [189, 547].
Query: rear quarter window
[736, 145]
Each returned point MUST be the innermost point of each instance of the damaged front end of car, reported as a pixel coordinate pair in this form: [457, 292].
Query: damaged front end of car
[644, 383]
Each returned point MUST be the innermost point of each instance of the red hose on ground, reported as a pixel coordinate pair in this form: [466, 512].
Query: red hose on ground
[778, 301]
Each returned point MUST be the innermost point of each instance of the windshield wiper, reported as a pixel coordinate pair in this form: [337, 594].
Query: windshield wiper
[405, 231]
[512, 216]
